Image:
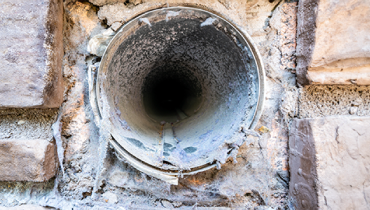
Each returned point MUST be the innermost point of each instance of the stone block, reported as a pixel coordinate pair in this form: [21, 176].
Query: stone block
[333, 44]
[31, 50]
[329, 163]
[27, 160]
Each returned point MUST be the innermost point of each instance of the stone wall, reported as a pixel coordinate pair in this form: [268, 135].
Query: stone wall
[88, 173]
[327, 141]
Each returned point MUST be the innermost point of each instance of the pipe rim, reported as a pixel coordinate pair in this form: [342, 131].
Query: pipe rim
[260, 102]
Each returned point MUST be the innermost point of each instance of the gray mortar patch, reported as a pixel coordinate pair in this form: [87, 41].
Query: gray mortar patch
[27, 123]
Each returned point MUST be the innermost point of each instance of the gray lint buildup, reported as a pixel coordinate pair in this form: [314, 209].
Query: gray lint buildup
[182, 88]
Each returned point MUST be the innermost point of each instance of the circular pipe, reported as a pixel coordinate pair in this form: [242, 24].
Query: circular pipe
[176, 86]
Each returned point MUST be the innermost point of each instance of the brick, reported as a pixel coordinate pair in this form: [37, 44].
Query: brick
[333, 45]
[27, 160]
[31, 50]
[329, 162]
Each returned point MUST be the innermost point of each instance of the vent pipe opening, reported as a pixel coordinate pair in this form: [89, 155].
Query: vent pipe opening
[179, 84]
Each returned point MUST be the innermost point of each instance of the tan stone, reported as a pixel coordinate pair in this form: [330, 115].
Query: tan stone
[333, 44]
[85, 14]
[27, 160]
[31, 50]
[329, 163]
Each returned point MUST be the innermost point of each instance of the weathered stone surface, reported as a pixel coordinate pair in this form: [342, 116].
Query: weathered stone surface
[27, 160]
[329, 163]
[333, 44]
[31, 51]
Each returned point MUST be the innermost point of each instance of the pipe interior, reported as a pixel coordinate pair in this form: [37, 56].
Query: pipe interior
[179, 87]
[171, 93]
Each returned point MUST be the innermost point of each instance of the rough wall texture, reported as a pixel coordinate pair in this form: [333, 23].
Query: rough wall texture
[92, 175]
[329, 160]
[25, 160]
[333, 42]
[31, 51]
[27, 147]
[27, 123]
[327, 100]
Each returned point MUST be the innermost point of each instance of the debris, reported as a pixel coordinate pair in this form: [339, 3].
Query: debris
[171, 14]
[209, 21]
[145, 20]
[136, 2]
[357, 102]
[263, 129]
[218, 165]
[166, 204]
[234, 153]
[116, 25]
[251, 132]
[103, 150]
[353, 110]
[99, 43]
[110, 197]
[57, 129]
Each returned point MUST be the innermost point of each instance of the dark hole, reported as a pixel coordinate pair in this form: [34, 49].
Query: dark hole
[171, 94]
